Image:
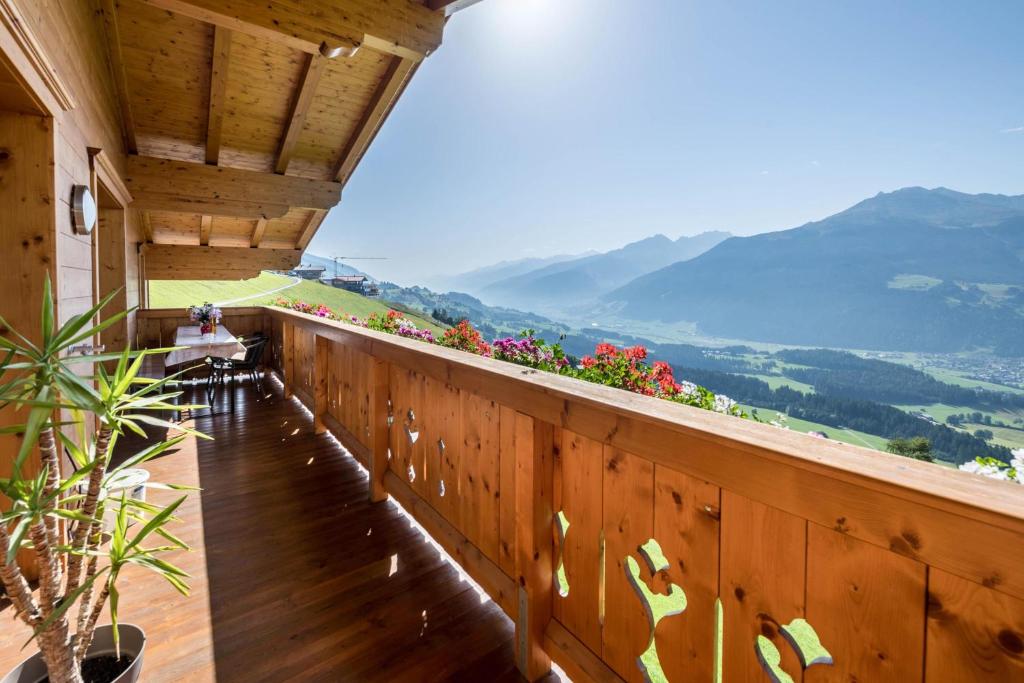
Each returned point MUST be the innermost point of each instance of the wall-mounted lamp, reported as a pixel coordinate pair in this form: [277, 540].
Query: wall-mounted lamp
[83, 210]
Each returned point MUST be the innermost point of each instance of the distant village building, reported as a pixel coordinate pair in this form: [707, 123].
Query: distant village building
[352, 283]
[307, 272]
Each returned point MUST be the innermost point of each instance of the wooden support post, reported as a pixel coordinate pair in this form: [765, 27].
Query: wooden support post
[287, 353]
[379, 429]
[321, 369]
[534, 561]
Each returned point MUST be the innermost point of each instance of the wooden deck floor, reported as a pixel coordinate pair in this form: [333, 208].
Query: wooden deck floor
[295, 576]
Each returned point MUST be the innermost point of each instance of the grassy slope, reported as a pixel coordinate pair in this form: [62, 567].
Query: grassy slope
[1011, 438]
[940, 411]
[804, 426]
[776, 381]
[181, 293]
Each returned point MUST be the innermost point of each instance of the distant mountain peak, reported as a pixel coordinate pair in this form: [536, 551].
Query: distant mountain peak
[939, 206]
[914, 269]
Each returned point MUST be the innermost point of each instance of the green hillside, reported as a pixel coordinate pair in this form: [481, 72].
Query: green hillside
[261, 290]
[182, 293]
[850, 436]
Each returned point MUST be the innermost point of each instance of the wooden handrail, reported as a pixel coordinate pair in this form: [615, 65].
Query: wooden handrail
[899, 567]
[553, 398]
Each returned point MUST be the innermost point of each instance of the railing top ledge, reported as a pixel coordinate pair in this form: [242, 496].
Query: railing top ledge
[543, 394]
[182, 313]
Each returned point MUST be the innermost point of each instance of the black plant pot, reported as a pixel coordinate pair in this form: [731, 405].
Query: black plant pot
[133, 644]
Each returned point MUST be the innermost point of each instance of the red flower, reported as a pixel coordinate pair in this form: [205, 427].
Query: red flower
[605, 349]
[635, 352]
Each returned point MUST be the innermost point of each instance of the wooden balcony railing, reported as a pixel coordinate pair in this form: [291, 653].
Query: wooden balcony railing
[629, 537]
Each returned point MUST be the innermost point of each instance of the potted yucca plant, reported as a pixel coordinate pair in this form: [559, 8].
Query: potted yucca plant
[57, 516]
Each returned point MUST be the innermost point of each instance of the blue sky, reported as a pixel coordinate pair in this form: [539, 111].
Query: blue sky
[558, 126]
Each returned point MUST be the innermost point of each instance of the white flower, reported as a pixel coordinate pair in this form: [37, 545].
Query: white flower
[723, 404]
[688, 388]
[995, 471]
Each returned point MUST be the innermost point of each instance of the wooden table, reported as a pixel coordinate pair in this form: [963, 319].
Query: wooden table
[197, 346]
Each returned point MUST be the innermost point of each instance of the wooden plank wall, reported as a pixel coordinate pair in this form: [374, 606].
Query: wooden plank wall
[58, 50]
[747, 563]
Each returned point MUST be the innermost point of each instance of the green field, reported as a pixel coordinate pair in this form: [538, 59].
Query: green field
[257, 291]
[804, 426]
[1003, 436]
[776, 381]
[940, 411]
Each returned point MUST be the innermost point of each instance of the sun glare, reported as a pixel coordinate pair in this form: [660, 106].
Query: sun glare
[529, 17]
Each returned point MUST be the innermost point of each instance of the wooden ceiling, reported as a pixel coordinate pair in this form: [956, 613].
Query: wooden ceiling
[245, 118]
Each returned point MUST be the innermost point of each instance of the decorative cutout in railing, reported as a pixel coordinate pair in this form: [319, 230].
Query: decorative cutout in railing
[657, 605]
[391, 413]
[802, 637]
[561, 581]
[413, 435]
[440, 458]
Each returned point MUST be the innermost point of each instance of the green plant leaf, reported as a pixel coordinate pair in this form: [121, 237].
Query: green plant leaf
[37, 418]
[147, 454]
[47, 312]
[158, 520]
[114, 599]
[118, 539]
[157, 422]
[173, 539]
[126, 375]
[70, 333]
[17, 534]
[78, 456]
[78, 475]
[171, 487]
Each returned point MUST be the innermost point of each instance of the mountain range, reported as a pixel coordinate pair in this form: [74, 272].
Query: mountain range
[572, 283]
[475, 280]
[913, 270]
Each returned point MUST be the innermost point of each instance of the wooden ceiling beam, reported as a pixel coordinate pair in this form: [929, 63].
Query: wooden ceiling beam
[450, 7]
[147, 226]
[257, 232]
[184, 186]
[209, 207]
[404, 28]
[315, 65]
[184, 262]
[119, 75]
[218, 93]
[391, 86]
[205, 229]
[312, 223]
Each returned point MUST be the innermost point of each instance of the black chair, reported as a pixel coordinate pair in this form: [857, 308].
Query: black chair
[220, 367]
